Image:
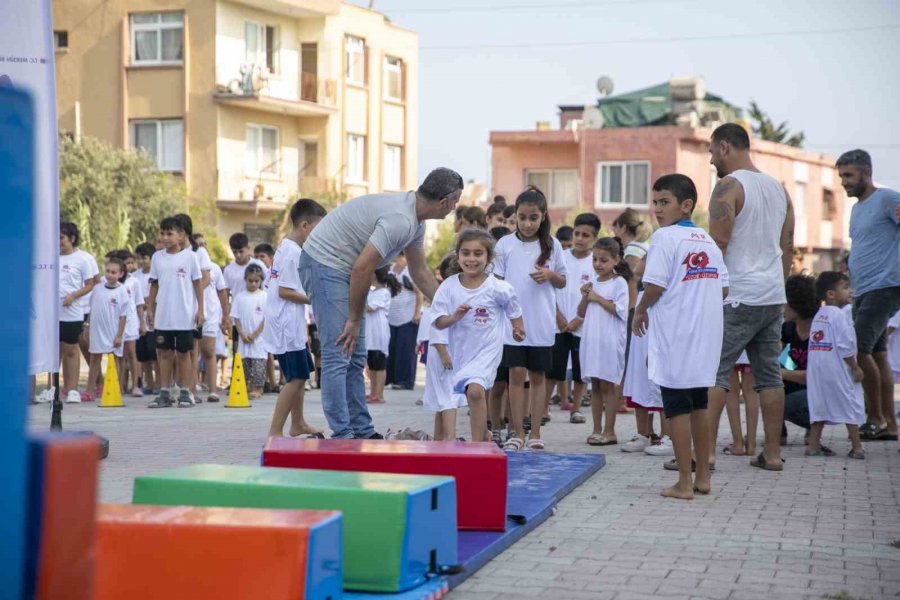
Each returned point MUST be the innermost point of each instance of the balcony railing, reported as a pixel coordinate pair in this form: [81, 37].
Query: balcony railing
[269, 189]
[317, 89]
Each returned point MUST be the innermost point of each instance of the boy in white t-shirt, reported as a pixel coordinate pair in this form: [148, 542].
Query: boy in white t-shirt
[579, 271]
[76, 280]
[834, 391]
[175, 307]
[684, 283]
[285, 335]
[146, 344]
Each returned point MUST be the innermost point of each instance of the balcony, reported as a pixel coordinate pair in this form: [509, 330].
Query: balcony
[296, 8]
[267, 193]
[309, 96]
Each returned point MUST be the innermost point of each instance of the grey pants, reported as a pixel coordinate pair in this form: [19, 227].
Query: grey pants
[255, 371]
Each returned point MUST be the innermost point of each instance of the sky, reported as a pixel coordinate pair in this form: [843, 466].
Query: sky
[827, 67]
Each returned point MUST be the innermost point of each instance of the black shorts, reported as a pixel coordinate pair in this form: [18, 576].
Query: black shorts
[197, 333]
[376, 360]
[70, 331]
[683, 401]
[871, 313]
[315, 346]
[567, 344]
[502, 375]
[295, 365]
[533, 358]
[180, 341]
[146, 347]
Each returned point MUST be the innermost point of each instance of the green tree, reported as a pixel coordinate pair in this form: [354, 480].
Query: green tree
[115, 197]
[441, 244]
[766, 129]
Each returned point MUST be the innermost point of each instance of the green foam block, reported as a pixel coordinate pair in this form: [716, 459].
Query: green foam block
[397, 528]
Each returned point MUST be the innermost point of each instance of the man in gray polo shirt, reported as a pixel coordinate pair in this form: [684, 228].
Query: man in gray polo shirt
[875, 277]
[336, 270]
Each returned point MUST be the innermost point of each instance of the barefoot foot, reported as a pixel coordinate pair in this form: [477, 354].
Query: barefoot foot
[304, 429]
[678, 492]
[702, 487]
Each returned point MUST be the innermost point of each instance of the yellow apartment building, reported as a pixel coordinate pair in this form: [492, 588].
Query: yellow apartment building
[251, 102]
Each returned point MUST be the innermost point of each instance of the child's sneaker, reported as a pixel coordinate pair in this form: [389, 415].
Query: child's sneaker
[497, 438]
[664, 448]
[163, 400]
[185, 399]
[567, 406]
[637, 444]
[73, 397]
[45, 397]
[137, 392]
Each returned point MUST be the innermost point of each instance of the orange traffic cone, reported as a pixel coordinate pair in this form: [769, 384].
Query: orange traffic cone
[237, 393]
[112, 395]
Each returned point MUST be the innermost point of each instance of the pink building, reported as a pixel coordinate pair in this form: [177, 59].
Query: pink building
[585, 167]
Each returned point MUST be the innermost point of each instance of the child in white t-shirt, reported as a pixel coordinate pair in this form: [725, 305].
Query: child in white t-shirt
[378, 330]
[109, 312]
[248, 314]
[685, 281]
[287, 309]
[604, 309]
[76, 280]
[474, 306]
[439, 397]
[833, 378]
[894, 346]
[133, 325]
[531, 262]
[234, 274]
[742, 384]
[176, 309]
[146, 344]
[642, 395]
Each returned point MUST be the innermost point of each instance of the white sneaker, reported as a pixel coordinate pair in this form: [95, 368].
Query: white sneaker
[73, 397]
[637, 444]
[45, 396]
[664, 448]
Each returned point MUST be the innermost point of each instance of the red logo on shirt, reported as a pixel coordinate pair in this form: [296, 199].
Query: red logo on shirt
[818, 336]
[585, 278]
[66, 268]
[181, 272]
[697, 264]
[816, 342]
[482, 316]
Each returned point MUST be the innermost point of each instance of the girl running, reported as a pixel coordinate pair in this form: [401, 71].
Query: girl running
[473, 306]
[378, 330]
[532, 262]
[604, 308]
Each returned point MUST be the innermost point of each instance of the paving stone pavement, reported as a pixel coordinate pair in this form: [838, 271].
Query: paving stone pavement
[823, 527]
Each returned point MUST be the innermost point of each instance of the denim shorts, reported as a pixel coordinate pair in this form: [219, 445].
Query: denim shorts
[871, 313]
[756, 329]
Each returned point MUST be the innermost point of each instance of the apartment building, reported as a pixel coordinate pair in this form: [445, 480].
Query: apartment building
[605, 157]
[251, 102]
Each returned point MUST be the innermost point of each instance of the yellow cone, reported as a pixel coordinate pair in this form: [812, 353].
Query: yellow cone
[112, 395]
[237, 393]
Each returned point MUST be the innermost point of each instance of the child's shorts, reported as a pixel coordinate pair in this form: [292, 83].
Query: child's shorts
[180, 341]
[376, 360]
[632, 404]
[70, 331]
[295, 364]
[314, 344]
[683, 401]
[533, 358]
[146, 347]
[210, 329]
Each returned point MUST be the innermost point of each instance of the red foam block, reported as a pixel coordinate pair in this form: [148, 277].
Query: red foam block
[479, 468]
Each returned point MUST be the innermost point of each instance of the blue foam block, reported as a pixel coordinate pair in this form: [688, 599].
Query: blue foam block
[17, 183]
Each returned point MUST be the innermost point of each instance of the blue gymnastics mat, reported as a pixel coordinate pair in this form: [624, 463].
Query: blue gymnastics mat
[537, 482]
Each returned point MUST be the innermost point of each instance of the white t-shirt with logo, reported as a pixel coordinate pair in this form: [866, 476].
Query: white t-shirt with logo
[602, 349]
[135, 298]
[686, 323]
[476, 341]
[176, 301]
[144, 280]
[378, 331]
[832, 394]
[636, 384]
[234, 275]
[403, 305]
[579, 271]
[74, 271]
[94, 270]
[285, 320]
[250, 309]
[108, 306]
[515, 262]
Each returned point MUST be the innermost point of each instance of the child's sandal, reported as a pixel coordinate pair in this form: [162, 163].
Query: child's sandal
[534, 444]
[513, 444]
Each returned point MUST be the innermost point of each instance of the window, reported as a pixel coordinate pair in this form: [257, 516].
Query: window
[393, 168]
[162, 140]
[61, 41]
[559, 185]
[801, 238]
[623, 183]
[356, 158]
[356, 60]
[829, 208]
[156, 38]
[393, 78]
[259, 41]
[262, 152]
[308, 159]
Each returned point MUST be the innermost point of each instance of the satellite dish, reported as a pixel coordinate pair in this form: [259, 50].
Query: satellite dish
[605, 86]
[592, 118]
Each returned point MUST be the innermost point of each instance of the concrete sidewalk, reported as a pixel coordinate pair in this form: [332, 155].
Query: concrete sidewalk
[822, 527]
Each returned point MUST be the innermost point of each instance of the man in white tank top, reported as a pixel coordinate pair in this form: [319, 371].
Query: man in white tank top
[752, 221]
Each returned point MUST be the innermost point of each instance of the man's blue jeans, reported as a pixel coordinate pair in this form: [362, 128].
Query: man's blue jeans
[343, 386]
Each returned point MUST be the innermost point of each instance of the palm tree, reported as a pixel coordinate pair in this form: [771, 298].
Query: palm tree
[766, 129]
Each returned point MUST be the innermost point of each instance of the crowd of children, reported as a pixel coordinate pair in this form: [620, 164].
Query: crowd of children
[630, 320]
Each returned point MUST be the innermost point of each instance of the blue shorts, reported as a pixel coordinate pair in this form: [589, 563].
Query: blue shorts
[295, 364]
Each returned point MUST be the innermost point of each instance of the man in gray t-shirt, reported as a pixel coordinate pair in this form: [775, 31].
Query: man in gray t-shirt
[336, 270]
[875, 277]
